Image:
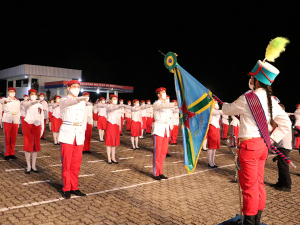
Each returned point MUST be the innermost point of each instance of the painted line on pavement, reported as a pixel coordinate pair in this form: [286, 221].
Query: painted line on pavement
[127, 158]
[43, 157]
[95, 161]
[128, 150]
[56, 165]
[119, 170]
[111, 190]
[87, 175]
[177, 162]
[148, 166]
[8, 170]
[36, 182]
[149, 155]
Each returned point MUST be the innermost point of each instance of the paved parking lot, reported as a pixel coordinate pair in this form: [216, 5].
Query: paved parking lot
[126, 193]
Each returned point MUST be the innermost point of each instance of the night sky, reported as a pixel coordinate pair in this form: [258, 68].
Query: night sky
[117, 42]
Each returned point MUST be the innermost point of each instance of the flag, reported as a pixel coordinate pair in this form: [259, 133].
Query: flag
[196, 104]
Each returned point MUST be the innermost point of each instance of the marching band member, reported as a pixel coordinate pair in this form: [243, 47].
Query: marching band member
[235, 127]
[95, 114]
[33, 129]
[45, 109]
[160, 132]
[144, 118]
[122, 111]
[89, 125]
[23, 110]
[136, 124]
[297, 125]
[225, 125]
[128, 115]
[253, 151]
[175, 122]
[56, 119]
[213, 136]
[149, 114]
[102, 118]
[112, 132]
[167, 100]
[71, 138]
[10, 120]
[50, 112]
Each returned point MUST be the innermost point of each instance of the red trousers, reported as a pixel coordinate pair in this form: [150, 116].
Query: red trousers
[296, 139]
[10, 131]
[224, 130]
[71, 156]
[88, 137]
[235, 132]
[213, 137]
[174, 134]
[122, 122]
[43, 136]
[253, 154]
[128, 123]
[31, 137]
[149, 124]
[160, 147]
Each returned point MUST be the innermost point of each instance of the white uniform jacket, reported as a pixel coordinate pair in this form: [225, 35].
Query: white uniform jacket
[175, 116]
[215, 118]
[11, 110]
[23, 109]
[45, 109]
[248, 126]
[89, 113]
[50, 107]
[136, 114]
[235, 121]
[225, 119]
[34, 114]
[114, 114]
[162, 118]
[102, 109]
[286, 141]
[297, 117]
[122, 111]
[74, 118]
[149, 111]
[56, 111]
[128, 112]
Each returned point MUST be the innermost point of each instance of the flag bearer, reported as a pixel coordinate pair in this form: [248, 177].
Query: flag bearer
[71, 138]
[160, 132]
[46, 110]
[10, 120]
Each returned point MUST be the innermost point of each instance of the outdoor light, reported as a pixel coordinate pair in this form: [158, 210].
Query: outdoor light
[79, 79]
[98, 91]
[25, 76]
[81, 89]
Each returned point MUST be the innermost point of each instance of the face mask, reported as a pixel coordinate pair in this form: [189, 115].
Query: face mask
[52, 102]
[102, 102]
[57, 100]
[33, 97]
[25, 98]
[167, 100]
[121, 103]
[136, 104]
[163, 95]
[251, 86]
[114, 102]
[129, 103]
[216, 106]
[74, 91]
[148, 103]
[11, 94]
[87, 98]
[41, 98]
[143, 103]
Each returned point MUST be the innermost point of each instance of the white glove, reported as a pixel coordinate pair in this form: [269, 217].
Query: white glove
[35, 102]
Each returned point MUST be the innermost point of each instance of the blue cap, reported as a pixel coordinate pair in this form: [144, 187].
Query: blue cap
[264, 72]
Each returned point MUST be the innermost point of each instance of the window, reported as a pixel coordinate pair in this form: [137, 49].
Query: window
[18, 83]
[33, 80]
[22, 83]
[10, 84]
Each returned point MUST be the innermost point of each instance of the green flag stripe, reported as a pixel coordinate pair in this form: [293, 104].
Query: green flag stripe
[201, 104]
[188, 149]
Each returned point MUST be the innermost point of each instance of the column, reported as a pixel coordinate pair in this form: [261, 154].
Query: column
[107, 95]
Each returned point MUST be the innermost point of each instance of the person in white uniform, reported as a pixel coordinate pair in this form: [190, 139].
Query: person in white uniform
[46, 112]
[50, 112]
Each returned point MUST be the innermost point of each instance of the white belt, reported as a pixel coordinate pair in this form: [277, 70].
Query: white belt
[11, 113]
[72, 123]
[163, 122]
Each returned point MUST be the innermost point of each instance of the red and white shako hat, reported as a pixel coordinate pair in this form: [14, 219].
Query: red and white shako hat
[32, 90]
[11, 89]
[160, 89]
[142, 101]
[73, 82]
[129, 101]
[121, 99]
[148, 100]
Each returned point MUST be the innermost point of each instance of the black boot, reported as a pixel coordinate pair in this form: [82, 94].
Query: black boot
[257, 217]
[249, 220]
